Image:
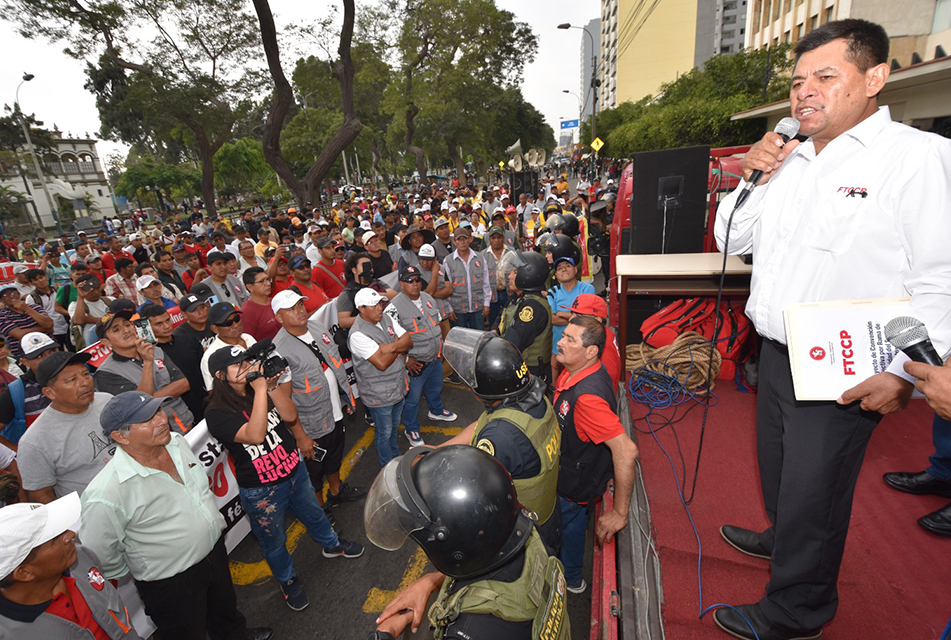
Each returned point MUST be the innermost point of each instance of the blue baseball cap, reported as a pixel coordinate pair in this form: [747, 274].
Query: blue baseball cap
[128, 408]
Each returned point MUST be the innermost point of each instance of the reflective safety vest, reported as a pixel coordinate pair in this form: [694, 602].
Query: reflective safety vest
[540, 350]
[537, 595]
[538, 493]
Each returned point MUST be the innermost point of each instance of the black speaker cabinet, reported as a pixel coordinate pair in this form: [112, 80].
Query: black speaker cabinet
[523, 182]
[669, 201]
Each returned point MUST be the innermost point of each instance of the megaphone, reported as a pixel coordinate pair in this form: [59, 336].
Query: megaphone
[515, 149]
[516, 164]
[541, 158]
[532, 158]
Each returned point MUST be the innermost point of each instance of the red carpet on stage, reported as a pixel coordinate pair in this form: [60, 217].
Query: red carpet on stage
[894, 583]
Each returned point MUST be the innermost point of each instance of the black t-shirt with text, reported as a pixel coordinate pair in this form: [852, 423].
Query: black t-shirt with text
[256, 465]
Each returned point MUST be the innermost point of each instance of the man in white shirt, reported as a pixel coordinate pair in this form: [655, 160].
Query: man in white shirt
[862, 209]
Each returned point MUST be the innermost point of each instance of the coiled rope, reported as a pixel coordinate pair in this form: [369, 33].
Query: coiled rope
[678, 369]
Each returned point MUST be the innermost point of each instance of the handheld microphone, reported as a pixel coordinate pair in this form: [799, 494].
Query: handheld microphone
[911, 336]
[787, 128]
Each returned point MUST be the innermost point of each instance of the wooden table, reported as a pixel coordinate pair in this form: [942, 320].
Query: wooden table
[676, 274]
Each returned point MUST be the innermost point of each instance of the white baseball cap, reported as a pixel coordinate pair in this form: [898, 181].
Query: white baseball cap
[144, 281]
[35, 343]
[366, 237]
[367, 297]
[26, 525]
[426, 207]
[135, 236]
[20, 268]
[365, 225]
[285, 300]
[425, 251]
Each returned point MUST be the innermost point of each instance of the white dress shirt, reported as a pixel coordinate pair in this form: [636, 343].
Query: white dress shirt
[868, 217]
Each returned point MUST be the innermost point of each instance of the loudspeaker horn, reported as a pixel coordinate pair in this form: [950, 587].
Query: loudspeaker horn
[541, 158]
[532, 157]
[516, 163]
[515, 149]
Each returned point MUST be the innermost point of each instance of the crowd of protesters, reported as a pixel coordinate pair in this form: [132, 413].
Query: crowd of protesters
[179, 306]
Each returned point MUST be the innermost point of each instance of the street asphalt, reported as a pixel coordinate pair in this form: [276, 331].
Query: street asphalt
[347, 595]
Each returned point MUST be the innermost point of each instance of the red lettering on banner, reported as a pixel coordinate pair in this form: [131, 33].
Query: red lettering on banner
[847, 353]
[219, 481]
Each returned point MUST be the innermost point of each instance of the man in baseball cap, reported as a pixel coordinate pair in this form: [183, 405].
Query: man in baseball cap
[589, 304]
[167, 535]
[20, 411]
[47, 578]
[378, 343]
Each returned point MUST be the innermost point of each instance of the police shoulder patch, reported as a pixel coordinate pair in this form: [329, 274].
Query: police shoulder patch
[486, 445]
[526, 314]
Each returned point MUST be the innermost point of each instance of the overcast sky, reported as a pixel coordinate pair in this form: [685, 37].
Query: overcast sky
[56, 95]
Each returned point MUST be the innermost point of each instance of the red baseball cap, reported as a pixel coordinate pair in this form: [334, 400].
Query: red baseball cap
[588, 304]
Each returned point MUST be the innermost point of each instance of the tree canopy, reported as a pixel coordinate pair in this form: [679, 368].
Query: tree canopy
[696, 108]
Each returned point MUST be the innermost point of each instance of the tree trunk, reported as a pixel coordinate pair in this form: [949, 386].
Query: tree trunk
[343, 70]
[457, 161]
[283, 97]
[307, 189]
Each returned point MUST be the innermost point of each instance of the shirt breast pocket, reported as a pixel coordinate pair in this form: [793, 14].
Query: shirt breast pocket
[834, 230]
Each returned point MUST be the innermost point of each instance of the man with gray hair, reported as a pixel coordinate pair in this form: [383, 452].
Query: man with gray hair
[167, 534]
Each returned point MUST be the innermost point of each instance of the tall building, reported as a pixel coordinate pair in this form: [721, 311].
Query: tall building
[915, 26]
[645, 44]
[589, 57]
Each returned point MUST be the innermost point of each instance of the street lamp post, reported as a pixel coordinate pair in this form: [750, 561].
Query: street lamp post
[36, 163]
[595, 83]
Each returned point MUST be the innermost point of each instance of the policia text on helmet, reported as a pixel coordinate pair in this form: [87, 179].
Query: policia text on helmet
[460, 505]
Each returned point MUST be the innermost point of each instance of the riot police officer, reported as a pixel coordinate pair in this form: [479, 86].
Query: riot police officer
[526, 321]
[518, 427]
[495, 578]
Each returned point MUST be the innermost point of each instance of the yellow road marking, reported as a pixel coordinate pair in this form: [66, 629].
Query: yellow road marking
[377, 599]
[245, 573]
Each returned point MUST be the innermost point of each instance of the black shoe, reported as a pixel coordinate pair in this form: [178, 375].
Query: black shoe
[938, 522]
[259, 633]
[368, 418]
[744, 541]
[346, 494]
[918, 483]
[731, 622]
[330, 515]
[294, 595]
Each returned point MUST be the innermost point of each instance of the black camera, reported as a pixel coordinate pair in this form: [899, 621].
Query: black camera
[271, 364]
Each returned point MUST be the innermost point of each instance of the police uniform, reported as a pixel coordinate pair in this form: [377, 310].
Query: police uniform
[524, 598]
[526, 323]
[527, 441]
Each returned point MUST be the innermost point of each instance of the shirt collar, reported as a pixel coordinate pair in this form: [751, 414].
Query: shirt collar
[564, 382]
[864, 132]
[127, 467]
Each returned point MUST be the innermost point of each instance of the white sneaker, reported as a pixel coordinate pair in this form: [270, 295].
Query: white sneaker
[445, 416]
[415, 440]
[578, 588]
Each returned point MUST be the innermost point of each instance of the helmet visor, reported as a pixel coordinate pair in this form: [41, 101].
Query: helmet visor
[511, 261]
[384, 514]
[460, 350]
[546, 241]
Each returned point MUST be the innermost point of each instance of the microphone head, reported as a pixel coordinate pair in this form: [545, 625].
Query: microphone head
[787, 127]
[905, 331]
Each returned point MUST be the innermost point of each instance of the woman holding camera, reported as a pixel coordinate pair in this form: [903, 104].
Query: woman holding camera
[250, 415]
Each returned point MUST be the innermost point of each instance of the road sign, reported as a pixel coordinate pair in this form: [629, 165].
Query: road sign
[569, 124]
[501, 164]
[597, 144]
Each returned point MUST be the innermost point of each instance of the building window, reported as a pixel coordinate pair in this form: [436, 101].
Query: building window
[942, 16]
[815, 22]
[786, 37]
[829, 14]
[100, 192]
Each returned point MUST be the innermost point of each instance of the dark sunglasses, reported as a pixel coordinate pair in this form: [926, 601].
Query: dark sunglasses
[414, 280]
[230, 321]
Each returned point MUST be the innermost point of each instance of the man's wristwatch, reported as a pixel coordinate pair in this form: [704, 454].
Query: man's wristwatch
[380, 635]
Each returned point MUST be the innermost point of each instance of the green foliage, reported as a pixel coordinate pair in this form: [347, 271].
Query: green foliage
[150, 172]
[11, 133]
[240, 166]
[696, 108]
[306, 134]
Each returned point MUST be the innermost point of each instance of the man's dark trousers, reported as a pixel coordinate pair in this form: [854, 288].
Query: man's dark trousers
[199, 600]
[810, 454]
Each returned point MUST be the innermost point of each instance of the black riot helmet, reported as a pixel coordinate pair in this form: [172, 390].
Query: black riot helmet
[560, 246]
[491, 366]
[533, 274]
[458, 503]
[566, 223]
